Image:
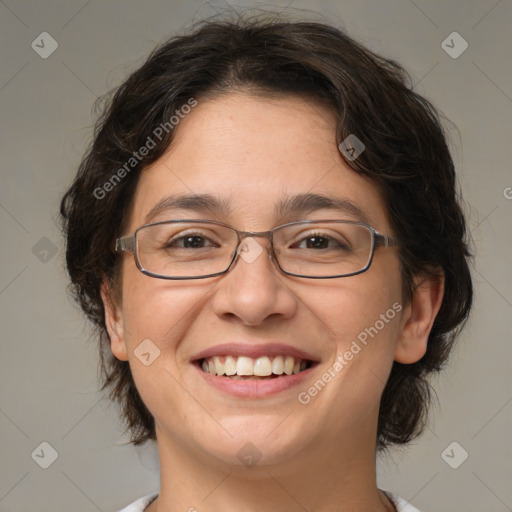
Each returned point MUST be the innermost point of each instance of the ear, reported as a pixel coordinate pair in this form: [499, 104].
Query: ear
[418, 319]
[113, 321]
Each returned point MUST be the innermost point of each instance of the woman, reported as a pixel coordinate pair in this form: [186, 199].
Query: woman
[267, 235]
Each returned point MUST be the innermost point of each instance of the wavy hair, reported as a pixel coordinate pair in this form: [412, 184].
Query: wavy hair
[406, 156]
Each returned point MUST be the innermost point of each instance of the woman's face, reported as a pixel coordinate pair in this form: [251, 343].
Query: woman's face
[250, 154]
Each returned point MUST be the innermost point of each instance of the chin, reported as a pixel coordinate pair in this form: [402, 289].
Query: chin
[255, 445]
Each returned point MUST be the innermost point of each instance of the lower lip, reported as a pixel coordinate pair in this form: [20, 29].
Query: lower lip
[254, 388]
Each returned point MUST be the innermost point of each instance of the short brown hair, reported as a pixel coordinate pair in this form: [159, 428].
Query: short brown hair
[406, 155]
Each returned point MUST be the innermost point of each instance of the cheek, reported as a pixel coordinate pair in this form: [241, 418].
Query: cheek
[362, 317]
[157, 315]
[358, 302]
[158, 310]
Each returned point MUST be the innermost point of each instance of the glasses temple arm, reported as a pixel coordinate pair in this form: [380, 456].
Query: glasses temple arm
[125, 244]
[385, 241]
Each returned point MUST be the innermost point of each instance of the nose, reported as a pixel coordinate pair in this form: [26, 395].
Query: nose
[254, 289]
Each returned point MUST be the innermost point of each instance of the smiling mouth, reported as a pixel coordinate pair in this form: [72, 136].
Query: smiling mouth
[248, 368]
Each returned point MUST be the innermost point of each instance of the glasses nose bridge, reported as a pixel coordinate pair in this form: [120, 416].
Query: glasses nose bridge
[260, 234]
[242, 235]
[257, 234]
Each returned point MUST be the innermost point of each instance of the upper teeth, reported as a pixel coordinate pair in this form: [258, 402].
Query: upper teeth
[261, 366]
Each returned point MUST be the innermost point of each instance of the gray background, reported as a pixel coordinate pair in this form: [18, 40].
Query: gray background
[48, 363]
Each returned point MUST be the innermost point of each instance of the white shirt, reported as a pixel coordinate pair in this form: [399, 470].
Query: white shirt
[140, 504]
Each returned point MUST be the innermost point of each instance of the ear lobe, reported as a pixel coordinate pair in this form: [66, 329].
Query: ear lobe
[418, 319]
[113, 322]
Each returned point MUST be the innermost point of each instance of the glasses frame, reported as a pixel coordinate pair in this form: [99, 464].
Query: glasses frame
[128, 243]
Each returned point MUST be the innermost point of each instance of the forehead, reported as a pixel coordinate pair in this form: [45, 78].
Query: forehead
[252, 156]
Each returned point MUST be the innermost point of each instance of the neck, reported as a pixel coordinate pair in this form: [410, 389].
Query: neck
[328, 476]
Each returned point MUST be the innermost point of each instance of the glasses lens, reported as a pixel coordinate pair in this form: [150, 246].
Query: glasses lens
[185, 249]
[323, 249]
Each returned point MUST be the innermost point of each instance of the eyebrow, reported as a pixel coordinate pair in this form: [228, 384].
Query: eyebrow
[307, 203]
[207, 204]
[201, 203]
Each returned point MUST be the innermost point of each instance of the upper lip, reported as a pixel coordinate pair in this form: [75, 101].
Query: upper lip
[254, 351]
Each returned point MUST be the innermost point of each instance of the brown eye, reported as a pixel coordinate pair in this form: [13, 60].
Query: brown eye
[190, 241]
[322, 241]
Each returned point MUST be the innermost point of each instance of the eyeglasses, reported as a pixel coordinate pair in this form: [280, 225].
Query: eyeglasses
[196, 249]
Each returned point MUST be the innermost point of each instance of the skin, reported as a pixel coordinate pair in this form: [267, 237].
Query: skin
[320, 456]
